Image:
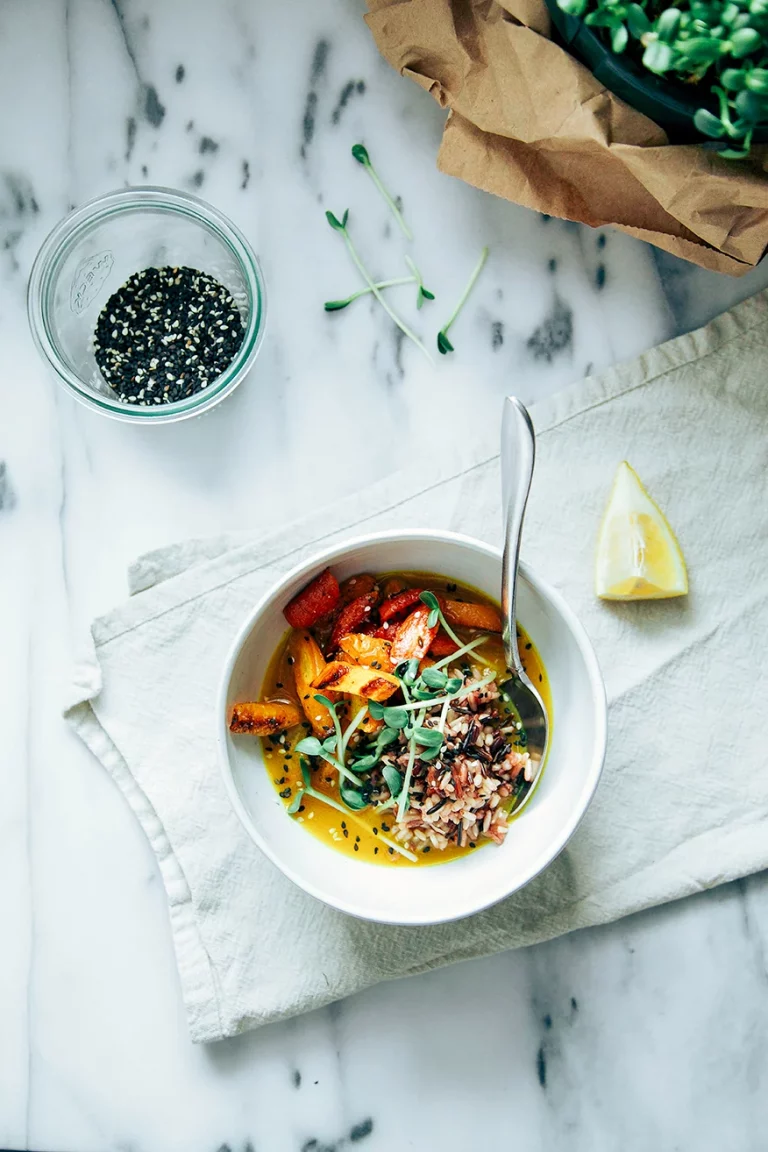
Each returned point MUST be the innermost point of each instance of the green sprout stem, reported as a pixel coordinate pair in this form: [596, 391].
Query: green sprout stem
[462, 651]
[443, 716]
[443, 343]
[433, 604]
[390, 202]
[423, 293]
[360, 153]
[340, 768]
[337, 305]
[364, 272]
[403, 798]
[449, 631]
[352, 728]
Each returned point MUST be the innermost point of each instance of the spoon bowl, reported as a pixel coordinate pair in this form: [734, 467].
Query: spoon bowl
[518, 453]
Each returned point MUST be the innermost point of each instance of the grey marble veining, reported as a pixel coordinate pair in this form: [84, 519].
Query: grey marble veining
[650, 1034]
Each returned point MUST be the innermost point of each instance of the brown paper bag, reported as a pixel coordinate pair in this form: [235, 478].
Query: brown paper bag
[530, 123]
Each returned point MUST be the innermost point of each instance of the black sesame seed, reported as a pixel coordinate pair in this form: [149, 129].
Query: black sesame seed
[166, 334]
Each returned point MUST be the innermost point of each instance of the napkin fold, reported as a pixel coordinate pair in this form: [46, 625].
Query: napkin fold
[683, 803]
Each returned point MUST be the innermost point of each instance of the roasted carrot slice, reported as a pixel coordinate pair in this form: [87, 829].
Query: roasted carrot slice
[399, 603]
[263, 719]
[356, 586]
[442, 645]
[481, 616]
[308, 663]
[391, 586]
[371, 683]
[316, 600]
[386, 631]
[366, 650]
[413, 637]
[354, 614]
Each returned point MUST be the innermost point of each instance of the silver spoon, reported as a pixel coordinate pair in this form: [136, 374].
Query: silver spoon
[518, 452]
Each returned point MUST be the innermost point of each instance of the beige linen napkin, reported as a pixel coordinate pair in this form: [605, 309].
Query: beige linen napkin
[683, 804]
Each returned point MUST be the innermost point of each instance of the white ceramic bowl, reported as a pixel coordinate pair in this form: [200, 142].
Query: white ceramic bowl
[427, 895]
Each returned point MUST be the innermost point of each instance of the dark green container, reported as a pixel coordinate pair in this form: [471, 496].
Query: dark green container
[668, 105]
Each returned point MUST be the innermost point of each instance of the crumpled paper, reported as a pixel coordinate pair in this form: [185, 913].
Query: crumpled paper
[530, 123]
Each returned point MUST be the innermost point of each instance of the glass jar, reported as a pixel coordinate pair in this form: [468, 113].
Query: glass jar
[93, 251]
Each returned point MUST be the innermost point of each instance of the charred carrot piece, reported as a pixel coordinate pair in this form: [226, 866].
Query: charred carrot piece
[442, 645]
[367, 725]
[366, 650]
[308, 663]
[413, 637]
[264, 719]
[399, 603]
[313, 602]
[370, 683]
[484, 617]
[355, 586]
[391, 586]
[354, 614]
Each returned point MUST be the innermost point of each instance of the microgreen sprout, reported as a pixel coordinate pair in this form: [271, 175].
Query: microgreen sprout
[443, 343]
[352, 728]
[402, 798]
[360, 153]
[332, 749]
[326, 703]
[435, 615]
[462, 651]
[308, 790]
[719, 45]
[453, 696]
[337, 305]
[423, 293]
[392, 779]
[341, 226]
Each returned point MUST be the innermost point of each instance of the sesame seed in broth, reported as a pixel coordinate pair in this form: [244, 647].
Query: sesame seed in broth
[166, 334]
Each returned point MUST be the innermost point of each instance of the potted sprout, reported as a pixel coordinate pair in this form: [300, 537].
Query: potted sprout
[699, 70]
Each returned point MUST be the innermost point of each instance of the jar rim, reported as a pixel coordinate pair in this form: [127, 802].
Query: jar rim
[145, 198]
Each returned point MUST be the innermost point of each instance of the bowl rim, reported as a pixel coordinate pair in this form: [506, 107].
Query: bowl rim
[159, 198]
[597, 694]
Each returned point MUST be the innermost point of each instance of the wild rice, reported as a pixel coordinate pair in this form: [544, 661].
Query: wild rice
[463, 795]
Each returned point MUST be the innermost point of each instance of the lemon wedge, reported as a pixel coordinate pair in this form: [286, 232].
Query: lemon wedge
[638, 556]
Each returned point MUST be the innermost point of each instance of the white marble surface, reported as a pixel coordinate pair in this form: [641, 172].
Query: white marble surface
[650, 1034]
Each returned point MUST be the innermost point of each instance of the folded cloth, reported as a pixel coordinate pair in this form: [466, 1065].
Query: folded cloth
[683, 804]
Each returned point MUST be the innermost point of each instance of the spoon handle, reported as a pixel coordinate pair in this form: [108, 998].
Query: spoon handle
[518, 452]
